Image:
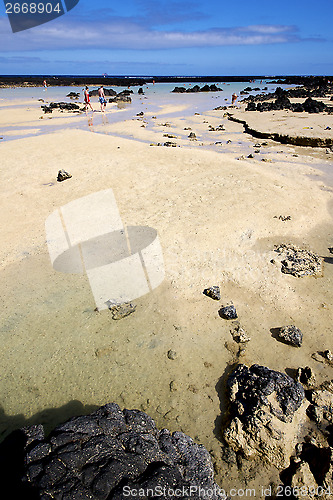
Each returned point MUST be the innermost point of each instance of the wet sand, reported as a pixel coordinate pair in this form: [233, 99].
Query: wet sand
[217, 220]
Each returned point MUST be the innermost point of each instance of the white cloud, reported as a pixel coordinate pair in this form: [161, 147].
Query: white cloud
[74, 33]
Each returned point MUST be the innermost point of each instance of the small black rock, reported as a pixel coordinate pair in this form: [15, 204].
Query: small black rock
[213, 292]
[228, 312]
[63, 175]
[291, 335]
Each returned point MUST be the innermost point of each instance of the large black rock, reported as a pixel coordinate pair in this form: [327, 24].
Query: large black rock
[110, 452]
[255, 386]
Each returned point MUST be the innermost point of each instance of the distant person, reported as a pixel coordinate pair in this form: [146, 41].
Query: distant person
[87, 99]
[233, 98]
[102, 99]
[44, 84]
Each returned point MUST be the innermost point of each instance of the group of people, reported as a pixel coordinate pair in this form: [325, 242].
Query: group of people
[101, 98]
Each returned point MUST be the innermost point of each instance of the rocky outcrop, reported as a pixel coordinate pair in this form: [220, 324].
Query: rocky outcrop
[62, 106]
[107, 93]
[196, 88]
[310, 473]
[110, 452]
[283, 102]
[313, 89]
[123, 96]
[265, 409]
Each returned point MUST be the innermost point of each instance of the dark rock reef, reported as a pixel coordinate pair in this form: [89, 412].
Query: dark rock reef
[110, 452]
[62, 106]
[282, 100]
[196, 88]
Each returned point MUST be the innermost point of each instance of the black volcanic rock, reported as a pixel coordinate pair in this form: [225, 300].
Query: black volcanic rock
[109, 452]
[291, 335]
[62, 106]
[107, 93]
[213, 292]
[228, 312]
[196, 88]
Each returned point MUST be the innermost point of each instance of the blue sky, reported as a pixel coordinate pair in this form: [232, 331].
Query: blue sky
[141, 37]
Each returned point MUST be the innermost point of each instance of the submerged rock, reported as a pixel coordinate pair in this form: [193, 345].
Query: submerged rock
[228, 312]
[213, 292]
[291, 335]
[263, 405]
[299, 262]
[111, 452]
[120, 311]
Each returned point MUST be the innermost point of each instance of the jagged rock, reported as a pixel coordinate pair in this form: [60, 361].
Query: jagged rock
[140, 91]
[239, 335]
[120, 311]
[228, 312]
[63, 175]
[299, 262]
[265, 409]
[111, 452]
[213, 292]
[192, 136]
[291, 335]
[172, 354]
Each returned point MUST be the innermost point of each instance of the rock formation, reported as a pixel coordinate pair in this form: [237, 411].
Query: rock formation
[265, 409]
[110, 452]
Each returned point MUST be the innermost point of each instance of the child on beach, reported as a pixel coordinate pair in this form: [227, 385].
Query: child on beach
[233, 98]
[87, 99]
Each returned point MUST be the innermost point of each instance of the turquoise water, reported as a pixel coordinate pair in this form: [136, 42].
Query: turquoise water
[60, 93]
[156, 96]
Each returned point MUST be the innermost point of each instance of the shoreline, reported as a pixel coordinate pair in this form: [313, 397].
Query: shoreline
[7, 81]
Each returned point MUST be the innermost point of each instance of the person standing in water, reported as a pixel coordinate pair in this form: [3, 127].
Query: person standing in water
[233, 98]
[102, 99]
[87, 99]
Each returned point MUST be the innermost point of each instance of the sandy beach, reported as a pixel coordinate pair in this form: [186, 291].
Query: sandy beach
[217, 213]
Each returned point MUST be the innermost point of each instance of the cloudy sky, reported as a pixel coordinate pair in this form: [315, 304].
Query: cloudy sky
[186, 37]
